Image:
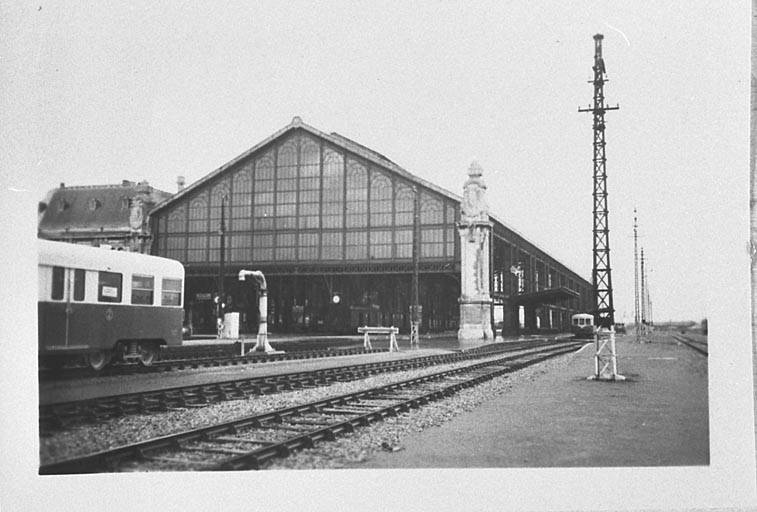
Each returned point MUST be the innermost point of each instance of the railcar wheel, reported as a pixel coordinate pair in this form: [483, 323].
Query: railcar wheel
[147, 354]
[99, 360]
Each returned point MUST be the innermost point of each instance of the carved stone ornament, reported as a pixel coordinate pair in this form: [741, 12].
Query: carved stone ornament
[474, 207]
[136, 215]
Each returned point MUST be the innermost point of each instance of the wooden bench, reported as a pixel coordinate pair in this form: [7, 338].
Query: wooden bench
[391, 331]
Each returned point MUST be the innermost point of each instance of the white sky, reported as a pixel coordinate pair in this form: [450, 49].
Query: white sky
[99, 93]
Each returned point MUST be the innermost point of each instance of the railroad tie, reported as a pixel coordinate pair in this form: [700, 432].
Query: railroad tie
[234, 439]
[227, 451]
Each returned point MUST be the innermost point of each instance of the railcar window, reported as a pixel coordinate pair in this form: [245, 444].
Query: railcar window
[79, 276]
[171, 292]
[109, 287]
[142, 288]
[58, 280]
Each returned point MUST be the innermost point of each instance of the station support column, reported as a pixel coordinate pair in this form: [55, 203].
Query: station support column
[475, 273]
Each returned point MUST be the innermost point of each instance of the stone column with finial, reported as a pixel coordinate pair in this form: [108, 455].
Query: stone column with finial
[475, 233]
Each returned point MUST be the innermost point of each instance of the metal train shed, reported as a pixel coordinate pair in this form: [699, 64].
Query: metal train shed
[331, 223]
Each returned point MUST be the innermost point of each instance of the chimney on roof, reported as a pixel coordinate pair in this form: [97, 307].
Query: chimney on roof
[180, 183]
[62, 185]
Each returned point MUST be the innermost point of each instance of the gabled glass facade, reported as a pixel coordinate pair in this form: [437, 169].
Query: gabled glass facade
[304, 201]
[319, 220]
[333, 226]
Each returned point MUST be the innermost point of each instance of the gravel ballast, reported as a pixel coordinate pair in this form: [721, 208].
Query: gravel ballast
[345, 452]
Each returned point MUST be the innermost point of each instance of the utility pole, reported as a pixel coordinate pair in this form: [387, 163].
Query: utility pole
[650, 318]
[636, 317]
[604, 314]
[643, 296]
[221, 265]
[415, 308]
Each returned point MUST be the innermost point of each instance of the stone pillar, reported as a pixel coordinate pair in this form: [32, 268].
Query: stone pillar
[475, 232]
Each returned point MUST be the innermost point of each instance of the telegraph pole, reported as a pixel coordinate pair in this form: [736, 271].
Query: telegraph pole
[643, 294]
[221, 265]
[415, 308]
[650, 319]
[604, 314]
[636, 317]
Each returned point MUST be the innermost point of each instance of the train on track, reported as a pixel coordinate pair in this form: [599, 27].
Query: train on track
[106, 306]
[582, 325]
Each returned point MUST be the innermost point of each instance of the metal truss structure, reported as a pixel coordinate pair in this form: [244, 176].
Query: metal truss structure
[605, 360]
[604, 315]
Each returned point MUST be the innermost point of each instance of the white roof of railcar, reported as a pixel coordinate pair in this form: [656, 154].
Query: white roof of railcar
[582, 315]
[65, 254]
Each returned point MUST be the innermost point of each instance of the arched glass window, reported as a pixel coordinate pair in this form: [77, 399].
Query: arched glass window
[357, 195]
[177, 239]
[264, 168]
[308, 216]
[198, 214]
[287, 156]
[310, 152]
[404, 202]
[241, 199]
[262, 201]
[381, 199]
[431, 210]
[333, 189]
[217, 195]
[177, 220]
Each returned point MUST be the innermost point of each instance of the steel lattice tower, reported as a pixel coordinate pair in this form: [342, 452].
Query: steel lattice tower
[604, 314]
[636, 317]
[643, 296]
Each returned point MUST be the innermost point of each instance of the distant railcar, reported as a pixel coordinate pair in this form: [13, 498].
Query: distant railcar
[582, 325]
[106, 305]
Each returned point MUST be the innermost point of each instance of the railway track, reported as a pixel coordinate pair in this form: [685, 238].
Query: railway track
[252, 441]
[699, 346]
[205, 357]
[57, 416]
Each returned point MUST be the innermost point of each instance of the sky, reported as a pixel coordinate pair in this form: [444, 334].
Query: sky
[148, 91]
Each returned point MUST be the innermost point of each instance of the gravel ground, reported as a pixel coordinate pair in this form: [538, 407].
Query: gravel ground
[110, 434]
[352, 449]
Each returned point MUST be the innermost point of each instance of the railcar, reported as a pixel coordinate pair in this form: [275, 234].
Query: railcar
[106, 305]
[582, 325]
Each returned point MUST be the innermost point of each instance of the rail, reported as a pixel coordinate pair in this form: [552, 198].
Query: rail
[61, 415]
[250, 442]
[692, 344]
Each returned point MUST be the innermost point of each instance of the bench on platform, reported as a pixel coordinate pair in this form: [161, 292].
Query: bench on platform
[391, 331]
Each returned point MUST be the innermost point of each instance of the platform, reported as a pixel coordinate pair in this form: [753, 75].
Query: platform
[53, 392]
[658, 417]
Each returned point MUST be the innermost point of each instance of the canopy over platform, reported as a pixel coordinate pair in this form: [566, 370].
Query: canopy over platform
[549, 296]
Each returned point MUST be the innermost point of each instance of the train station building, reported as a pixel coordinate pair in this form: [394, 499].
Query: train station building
[114, 216]
[333, 225]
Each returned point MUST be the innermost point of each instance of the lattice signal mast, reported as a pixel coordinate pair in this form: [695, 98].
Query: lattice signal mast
[643, 294]
[637, 317]
[604, 315]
